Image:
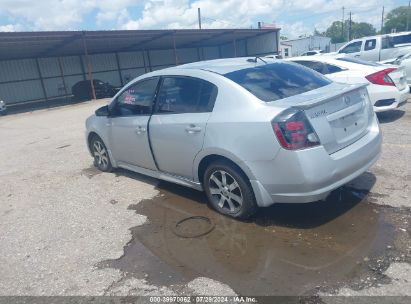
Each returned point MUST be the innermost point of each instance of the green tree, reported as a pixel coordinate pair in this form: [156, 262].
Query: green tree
[396, 20]
[283, 37]
[358, 30]
[334, 31]
[361, 29]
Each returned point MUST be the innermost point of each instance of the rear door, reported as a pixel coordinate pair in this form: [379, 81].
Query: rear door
[129, 124]
[177, 127]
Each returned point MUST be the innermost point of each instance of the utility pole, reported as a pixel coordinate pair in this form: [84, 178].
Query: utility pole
[382, 20]
[342, 24]
[408, 14]
[199, 18]
[349, 29]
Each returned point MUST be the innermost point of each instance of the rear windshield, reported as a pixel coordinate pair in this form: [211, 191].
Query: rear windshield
[275, 81]
[359, 61]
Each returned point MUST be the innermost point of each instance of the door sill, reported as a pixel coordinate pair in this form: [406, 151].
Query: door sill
[162, 175]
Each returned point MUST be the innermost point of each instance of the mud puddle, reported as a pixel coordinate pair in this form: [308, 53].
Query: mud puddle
[287, 249]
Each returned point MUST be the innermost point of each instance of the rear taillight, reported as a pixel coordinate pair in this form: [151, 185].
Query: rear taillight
[382, 77]
[294, 131]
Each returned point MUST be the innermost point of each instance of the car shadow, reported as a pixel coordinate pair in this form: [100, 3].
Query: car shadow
[390, 116]
[301, 216]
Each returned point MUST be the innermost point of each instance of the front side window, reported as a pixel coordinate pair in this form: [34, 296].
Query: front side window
[185, 95]
[280, 80]
[137, 99]
[352, 47]
[370, 44]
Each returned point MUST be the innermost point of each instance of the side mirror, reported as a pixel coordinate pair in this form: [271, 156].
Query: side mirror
[103, 111]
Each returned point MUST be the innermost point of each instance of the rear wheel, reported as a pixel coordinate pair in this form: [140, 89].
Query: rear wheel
[228, 190]
[100, 153]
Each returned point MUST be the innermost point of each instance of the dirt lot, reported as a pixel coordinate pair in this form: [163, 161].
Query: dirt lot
[67, 229]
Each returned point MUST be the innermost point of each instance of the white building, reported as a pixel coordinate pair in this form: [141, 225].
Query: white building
[295, 47]
[286, 49]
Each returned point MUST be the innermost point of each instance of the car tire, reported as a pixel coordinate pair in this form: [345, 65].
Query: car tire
[100, 154]
[228, 190]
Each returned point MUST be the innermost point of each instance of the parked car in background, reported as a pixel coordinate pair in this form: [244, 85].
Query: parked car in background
[248, 132]
[312, 53]
[3, 108]
[387, 86]
[82, 89]
[378, 48]
[403, 61]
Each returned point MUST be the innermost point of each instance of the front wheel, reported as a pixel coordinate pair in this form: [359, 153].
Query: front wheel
[228, 190]
[100, 153]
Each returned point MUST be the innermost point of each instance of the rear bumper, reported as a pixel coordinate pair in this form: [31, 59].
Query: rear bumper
[379, 93]
[310, 175]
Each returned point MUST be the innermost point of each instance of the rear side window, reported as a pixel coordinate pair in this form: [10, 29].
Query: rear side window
[280, 80]
[370, 44]
[186, 95]
[315, 65]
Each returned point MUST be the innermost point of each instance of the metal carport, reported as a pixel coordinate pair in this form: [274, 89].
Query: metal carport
[43, 66]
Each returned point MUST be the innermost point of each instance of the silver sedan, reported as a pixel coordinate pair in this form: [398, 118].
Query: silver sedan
[249, 132]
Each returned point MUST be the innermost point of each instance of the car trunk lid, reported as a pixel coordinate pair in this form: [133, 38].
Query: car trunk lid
[340, 114]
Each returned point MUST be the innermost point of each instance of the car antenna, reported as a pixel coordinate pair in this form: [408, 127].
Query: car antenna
[255, 59]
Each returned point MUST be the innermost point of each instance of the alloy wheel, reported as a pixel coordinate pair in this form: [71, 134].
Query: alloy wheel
[225, 191]
[100, 155]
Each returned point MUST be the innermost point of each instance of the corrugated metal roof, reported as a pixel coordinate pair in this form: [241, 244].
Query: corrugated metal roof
[16, 45]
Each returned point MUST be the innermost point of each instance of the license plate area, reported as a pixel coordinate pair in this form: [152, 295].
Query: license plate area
[348, 127]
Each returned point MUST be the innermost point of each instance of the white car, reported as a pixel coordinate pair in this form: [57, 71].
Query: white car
[403, 61]
[387, 85]
[312, 53]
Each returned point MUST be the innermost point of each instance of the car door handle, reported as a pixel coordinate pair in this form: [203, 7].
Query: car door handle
[191, 129]
[140, 130]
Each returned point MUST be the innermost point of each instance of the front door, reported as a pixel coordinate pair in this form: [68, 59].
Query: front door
[352, 49]
[130, 114]
[178, 125]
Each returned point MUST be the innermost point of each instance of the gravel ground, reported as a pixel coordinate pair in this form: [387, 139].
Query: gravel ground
[59, 217]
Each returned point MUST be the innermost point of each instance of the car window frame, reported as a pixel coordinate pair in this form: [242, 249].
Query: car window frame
[114, 103]
[156, 102]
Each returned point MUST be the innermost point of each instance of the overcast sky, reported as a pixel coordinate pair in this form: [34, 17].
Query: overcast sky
[295, 17]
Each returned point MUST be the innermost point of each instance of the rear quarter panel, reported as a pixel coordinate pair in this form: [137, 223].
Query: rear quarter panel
[239, 127]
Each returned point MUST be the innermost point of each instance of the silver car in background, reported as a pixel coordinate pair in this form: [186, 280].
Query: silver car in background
[247, 131]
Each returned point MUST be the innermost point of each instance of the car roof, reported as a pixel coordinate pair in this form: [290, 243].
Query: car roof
[376, 36]
[226, 65]
[332, 60]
